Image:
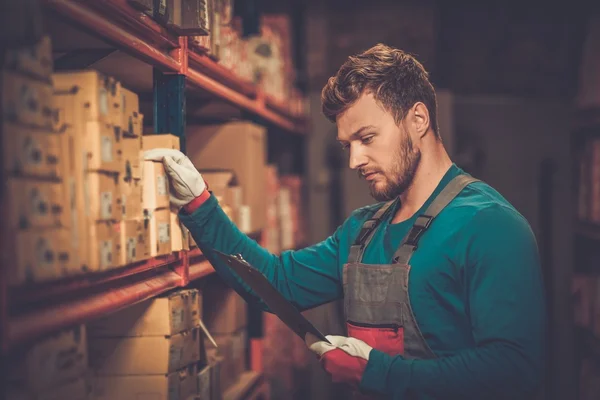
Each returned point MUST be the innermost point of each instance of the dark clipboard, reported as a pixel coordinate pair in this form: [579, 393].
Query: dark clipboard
[278, 304]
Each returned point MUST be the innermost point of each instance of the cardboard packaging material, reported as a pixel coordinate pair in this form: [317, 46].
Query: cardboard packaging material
[203, 383]
[41, 255]
[224, 310]
[36, 204]
[79, 389]
[178, 385]
[232, 347]
[160, 231]
[52, 361]
[216, 377]
[27, 101]
[135, 241]
[160, 140]
[145, 354]
[156, 186]
[177, 235]
[131, 160]
[35, 61]
[102, 198]
[31, 152]
[102, 147]
[104, 245]
[189, 17]
[101, 95]
[166, 315]
[131, 198]
[132, 121]
[237, 146]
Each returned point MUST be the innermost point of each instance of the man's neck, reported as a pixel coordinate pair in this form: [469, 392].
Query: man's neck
[431, 170]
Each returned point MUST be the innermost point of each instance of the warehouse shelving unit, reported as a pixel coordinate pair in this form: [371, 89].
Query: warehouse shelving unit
[178, 70]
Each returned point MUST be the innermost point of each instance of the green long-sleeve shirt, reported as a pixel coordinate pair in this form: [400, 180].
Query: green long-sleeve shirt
[475, 288]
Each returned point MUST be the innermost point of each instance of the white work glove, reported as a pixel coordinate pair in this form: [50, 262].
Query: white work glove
[345, 359]
[186, 183]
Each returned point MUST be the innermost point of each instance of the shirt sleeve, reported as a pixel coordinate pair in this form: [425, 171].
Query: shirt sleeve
[307, 277]
[507, 313]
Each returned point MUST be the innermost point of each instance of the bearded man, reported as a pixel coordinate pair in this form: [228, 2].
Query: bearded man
[441, 279]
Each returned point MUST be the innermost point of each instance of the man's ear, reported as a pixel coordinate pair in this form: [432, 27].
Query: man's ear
[420, 119]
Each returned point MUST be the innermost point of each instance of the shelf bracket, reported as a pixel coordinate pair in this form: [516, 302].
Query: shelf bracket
[169, 104]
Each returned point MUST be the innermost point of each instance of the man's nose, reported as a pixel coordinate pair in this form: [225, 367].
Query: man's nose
[357, 159]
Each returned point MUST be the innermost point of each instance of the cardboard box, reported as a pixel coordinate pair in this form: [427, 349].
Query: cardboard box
[131, 198]
[160, 232]
[27, 101]
[41, 255]
[31, 152]
[35, 61]
[102, 147]
[178, 385]
[78, 389]
[216, 377]
[101, 95]
[224, 310]
[135, 241]
[166, 315]
[36, 204]
[52, 361]
[131, 120]
[145, 354]
[104, 245]
[156, 186]
[131, 160]
[238, 353]
[189, 17]
[232, 347]
[176, 232]
[160, 141]
[203, 383]
[238, 146]
[102, 198]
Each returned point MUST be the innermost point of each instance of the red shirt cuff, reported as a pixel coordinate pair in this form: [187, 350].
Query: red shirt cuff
[197, 202]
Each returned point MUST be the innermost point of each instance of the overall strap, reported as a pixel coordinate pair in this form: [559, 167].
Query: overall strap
[423, 221]
[366, 232]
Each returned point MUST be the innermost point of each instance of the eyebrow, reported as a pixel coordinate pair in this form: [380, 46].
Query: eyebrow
[357, 133]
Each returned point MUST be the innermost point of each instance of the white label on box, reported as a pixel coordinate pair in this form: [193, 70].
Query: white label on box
[162, 185]
[106, 149]
[164, 232]
[106, 254]
[106, 199]
[245, 218]
[131, 246]
[103, 100]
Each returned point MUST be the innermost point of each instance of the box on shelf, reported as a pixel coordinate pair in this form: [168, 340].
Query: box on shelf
[100, 94]
[160, 231]
[52, 361]
[131, 198]
[104, 245]
[241, 147]
[41, 255]
[223, 186]
[144, 354]
[35, 60]
[27, 101]
[79, 389]
[160, 140]
[203, 383]
[156, 186]
[101, 147]
[31, 152]
[165, 315]
[178, 385]
[132, 120]
[36, 204]
[135, 241]
[131, 158]
[232, 347]
[102, 198]
[190, 17]
[177, 230]
[224, 310]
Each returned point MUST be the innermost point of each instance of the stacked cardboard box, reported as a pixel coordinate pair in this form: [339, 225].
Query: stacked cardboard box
[54, 368]
[291, 211]
[166, 234]
[33, 168]
[239, 147]
[151, 349]
[225, 316]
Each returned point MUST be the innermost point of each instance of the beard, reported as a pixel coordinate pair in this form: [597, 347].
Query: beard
[400, 176]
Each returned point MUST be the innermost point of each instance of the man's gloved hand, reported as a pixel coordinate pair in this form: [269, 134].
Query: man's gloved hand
[345, 359]
[186, 183]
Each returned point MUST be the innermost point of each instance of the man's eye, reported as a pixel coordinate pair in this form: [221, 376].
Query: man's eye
[367, 139]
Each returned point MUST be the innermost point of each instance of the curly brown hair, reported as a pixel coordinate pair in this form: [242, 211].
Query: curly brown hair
[396, 79]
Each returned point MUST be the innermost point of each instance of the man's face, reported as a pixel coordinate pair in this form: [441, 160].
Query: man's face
[381, 151]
